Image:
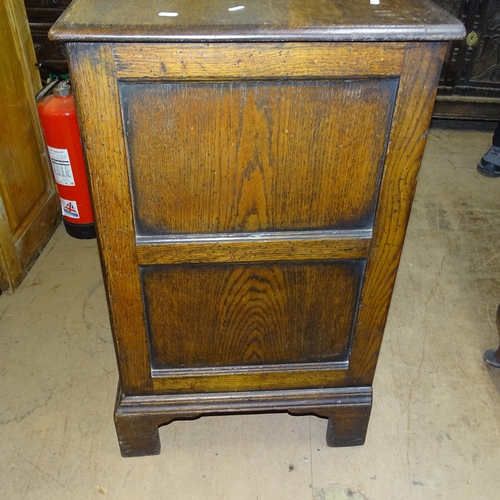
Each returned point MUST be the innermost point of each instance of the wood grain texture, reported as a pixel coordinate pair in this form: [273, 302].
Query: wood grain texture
[29, 205]
[256, 156]
[279, 400]
[92, 69]
[266, 20]
[257, 378]
[408, 136]
[232, 315]
[271, 247]
[137, 418]
[24, 179]
[230, 61]
[252, 200]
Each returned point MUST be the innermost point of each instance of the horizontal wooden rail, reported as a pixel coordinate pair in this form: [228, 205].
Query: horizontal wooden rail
[257, 60]
[246, 249]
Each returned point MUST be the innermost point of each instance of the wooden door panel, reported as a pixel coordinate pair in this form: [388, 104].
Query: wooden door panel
[254, 314]
[29, 205]
[256, 156]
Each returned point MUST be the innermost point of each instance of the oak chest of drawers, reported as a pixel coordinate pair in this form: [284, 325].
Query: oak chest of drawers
[252, 169]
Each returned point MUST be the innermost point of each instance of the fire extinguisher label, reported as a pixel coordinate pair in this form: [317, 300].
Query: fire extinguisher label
[69, 208]
[59, 158]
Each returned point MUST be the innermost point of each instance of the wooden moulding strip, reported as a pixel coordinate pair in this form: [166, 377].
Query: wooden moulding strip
[230, 61]
[279, 400]
[178, 251]
[223, 381]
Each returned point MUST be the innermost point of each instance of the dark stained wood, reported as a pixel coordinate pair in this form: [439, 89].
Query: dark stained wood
[42, 14]
[467, 108]
[347, 424]
[350, 408]
[138, 434]
[251, 198]
[274, 164]
[250, 315]
[265, 20]
[469, 88]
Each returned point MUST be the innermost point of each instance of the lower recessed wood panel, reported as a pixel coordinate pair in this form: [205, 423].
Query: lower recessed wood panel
[254, 314]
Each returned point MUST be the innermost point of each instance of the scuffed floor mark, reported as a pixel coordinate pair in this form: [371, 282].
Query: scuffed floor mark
[334, 493]
[89, 296]
[18, 415]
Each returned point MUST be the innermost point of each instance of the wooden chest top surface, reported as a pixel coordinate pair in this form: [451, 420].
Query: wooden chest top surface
[255, 20]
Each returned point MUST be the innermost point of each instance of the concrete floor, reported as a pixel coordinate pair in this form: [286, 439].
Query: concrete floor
[434, 431]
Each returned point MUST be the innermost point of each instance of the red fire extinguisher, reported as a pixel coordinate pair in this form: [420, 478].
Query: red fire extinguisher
[60, 127]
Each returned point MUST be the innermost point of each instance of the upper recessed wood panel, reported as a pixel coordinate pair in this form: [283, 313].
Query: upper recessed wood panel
[256, 156]
[286, 20]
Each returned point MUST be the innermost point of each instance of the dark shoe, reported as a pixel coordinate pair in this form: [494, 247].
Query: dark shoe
[490, 163]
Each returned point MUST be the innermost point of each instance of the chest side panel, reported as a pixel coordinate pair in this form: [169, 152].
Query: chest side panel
[253, 206]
